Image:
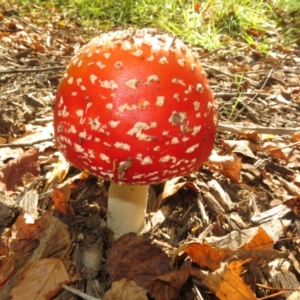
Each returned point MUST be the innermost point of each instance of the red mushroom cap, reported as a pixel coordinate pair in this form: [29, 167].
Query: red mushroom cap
[135, 107]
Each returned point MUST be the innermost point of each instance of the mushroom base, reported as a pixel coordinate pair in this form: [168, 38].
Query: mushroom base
[126, 208]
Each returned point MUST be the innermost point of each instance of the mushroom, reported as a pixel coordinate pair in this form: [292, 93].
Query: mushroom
[134, 107]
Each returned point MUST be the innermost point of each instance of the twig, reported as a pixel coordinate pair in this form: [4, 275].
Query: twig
[254, 83]
[280, 290]
[28, 24]
[78, 293]
[26, 144]
[259, 129]
[207, 54]
[283, 147]
[8, 30]
[32, 70]
[272, 295]
[261, 88]
[233, 94]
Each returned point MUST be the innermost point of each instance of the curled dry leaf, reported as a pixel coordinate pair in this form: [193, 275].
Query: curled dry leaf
[296, 137]
[173, 185]
[260, 241]
[251, 136]
[41, 280]
[228, 165]
[211, 257]
[24, 237]
[294, 296]
[61, 199]
[227, 285]
[294, 204]
[7, 266]
[167, 286]
[58, 173]
[243, 147]
[274, 151]
[204, 255]
[12, 172]
[126, 289]
[7, 269]
[135, 258]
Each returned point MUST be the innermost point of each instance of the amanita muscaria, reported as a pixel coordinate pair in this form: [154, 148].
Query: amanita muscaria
[134, 107]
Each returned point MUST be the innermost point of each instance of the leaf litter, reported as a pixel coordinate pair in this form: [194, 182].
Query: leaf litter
[229, 231]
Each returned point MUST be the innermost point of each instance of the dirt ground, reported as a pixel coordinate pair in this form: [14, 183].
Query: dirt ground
[252, 180]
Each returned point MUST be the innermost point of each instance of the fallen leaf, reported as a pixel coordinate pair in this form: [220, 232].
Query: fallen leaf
[227, 285]
[172, 186]
[251, 136]
[12, 172]
[294, 205]
[167, 286]
[243, 147]
[58, 173]
[204, 255]
[296, 137]
[61, 199]
[41, 280]
[260, 241]
[274, 151]
[7, 269]
[7, 266]
[135, 258]
[294, 296]
[126, 289]
[228, 165]
[24, 237]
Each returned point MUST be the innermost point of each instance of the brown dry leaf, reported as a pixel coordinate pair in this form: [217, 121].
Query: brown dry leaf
[83, 176]
[243, 147]
[41, 280]
[135, 258]
[210, 257]
[124, 290]
[251, 136]
[294, 205]
[7, 269]
[24, 237]
[58, 173]
[274, 151]
[260, 241]
[167, 286]
[296, 137]
[227, 285]
[294, 296]
[237, 266]
[55, 233]
[228, 165]
[35, 137]
[54, 240]
[61, 198]
[294, 161]
[204, 255]
[12, 172]
[172, 186]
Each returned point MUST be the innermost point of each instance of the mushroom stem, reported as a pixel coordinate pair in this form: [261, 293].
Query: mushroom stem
[126, 208]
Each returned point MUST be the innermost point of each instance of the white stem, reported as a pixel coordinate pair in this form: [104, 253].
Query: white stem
[126, 208]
